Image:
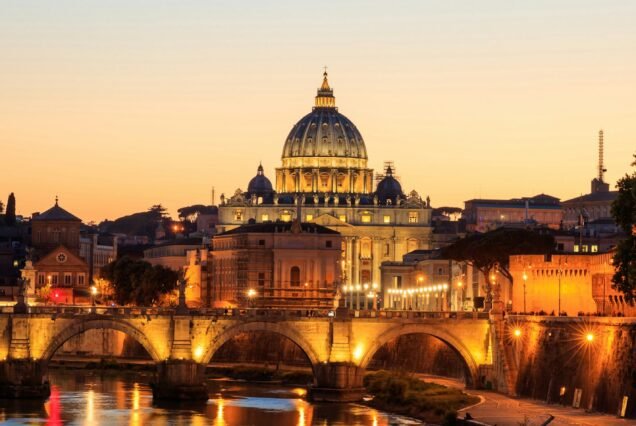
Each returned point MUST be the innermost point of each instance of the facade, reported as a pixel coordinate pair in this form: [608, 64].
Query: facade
[324, 170]
[275, 265]
[63, 263]
[575, 281]
[482, 215]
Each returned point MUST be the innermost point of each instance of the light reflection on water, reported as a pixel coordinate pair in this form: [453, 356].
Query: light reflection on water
[81, 397]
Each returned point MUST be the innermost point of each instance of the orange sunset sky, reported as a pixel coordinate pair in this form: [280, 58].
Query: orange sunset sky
[118, 105]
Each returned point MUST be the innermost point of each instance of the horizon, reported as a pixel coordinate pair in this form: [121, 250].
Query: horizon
[116, 108]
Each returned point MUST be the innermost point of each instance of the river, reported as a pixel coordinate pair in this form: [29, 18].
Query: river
[87, 397]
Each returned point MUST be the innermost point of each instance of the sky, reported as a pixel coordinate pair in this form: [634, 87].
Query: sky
[118, 105]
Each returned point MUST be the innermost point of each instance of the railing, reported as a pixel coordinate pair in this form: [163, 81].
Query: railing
[262, 313]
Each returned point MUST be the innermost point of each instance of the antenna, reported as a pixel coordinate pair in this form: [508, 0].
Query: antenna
[212, 196]
[601, 170]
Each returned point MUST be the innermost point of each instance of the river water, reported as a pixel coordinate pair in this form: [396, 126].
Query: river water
[85, 397]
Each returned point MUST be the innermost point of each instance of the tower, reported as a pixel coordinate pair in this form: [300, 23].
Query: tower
[598, 183]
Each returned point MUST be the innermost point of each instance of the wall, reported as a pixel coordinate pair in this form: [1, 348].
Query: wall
[554, 353]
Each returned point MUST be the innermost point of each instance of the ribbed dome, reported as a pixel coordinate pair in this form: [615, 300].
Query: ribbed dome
[260, 185]
[325, 132]
[389, 188]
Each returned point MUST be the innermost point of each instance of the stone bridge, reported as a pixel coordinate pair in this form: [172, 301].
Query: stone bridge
[338, 344]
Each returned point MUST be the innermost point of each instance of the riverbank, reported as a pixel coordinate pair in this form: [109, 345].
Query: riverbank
[405, 394]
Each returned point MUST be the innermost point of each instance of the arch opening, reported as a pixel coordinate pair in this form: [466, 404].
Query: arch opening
[422, 353]
[267, 344]
[80, 328]
[456, 347]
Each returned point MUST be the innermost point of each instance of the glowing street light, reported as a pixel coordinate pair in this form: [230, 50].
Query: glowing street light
[517, 332]
[93, 294]
[589, 337]
[251, 294]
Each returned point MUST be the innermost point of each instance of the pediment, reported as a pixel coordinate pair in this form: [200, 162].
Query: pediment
[60, 257]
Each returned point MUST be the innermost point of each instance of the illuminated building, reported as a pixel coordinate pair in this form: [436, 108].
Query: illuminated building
[324, 169]
[274, 265]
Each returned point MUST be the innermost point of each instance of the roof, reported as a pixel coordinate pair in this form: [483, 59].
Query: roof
[274, 227]
[540, 201]
[193, 241]
[594, 196]
[57, 213]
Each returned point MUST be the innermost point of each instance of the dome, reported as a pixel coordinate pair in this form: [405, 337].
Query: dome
[389, 188]
[260, 185]
[324, 132]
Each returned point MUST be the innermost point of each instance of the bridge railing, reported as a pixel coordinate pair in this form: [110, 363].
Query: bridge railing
[264, 313]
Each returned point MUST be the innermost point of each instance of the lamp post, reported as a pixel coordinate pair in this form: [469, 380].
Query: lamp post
[93, 294]
[525, 279]
[251, 294]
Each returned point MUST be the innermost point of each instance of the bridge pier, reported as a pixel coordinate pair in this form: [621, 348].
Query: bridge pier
[180, 380]
[24, 379]
[337, 382]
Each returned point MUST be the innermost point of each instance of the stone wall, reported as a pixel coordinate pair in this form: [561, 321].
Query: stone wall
[555, 356]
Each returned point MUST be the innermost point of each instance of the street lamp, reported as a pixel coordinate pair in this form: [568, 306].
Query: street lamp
[525, 279]
[251, 294]
[93, 294]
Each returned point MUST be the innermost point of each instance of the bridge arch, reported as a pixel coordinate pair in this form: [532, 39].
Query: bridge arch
[274, 327]
[81, 326]
[472, 368]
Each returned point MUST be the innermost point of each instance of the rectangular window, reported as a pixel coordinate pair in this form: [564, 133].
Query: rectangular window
[54, 279]
[286, 217]
[309, 218]
[238, 214]
[328, 244]
[80, 279]
[594, 248]
[413, 217]
[261, 279]
[261, 242]
[576, 248]
[264, 217]
[342, 217]
[41, 279]
[584, 248]
[386, 219]
[387, 249]
[366, 218]
[68, 279]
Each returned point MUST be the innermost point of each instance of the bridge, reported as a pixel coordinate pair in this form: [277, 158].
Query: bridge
[339, 344]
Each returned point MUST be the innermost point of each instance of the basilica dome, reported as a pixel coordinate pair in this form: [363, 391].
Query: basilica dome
[325, 132]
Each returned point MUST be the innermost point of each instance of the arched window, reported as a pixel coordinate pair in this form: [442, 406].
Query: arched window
[294, 276]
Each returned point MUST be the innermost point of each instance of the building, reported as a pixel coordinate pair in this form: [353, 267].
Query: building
[325, 169]
[597, 205]
[482, 215]
[63, 264]
[275, 264]
[577, 282]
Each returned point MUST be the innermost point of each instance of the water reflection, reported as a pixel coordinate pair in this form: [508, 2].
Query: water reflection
[86, 397]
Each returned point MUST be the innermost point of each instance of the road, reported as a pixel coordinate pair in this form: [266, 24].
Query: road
[501, 410]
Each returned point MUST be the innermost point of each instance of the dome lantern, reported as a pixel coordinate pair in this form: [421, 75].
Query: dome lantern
[325, 97]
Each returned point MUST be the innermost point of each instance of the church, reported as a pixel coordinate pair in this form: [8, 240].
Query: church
[324, 179]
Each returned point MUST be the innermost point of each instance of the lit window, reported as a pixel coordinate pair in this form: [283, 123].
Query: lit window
[584, 248]
[576, 248]
[413, 217]
[366, 218]
[285, 217]
[386, 219]
[309, 218]
[264, 217]
[594, 248]
[342, 217]
[238, 214]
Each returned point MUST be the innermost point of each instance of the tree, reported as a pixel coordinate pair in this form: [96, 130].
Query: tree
[138, 282]
[9, 217]
[624, 213]
[491, 251]
[142, 223]
[1, 207]
[190, 213]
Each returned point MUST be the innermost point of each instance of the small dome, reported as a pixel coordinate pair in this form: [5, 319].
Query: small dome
[260, 185]
[389, 188]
